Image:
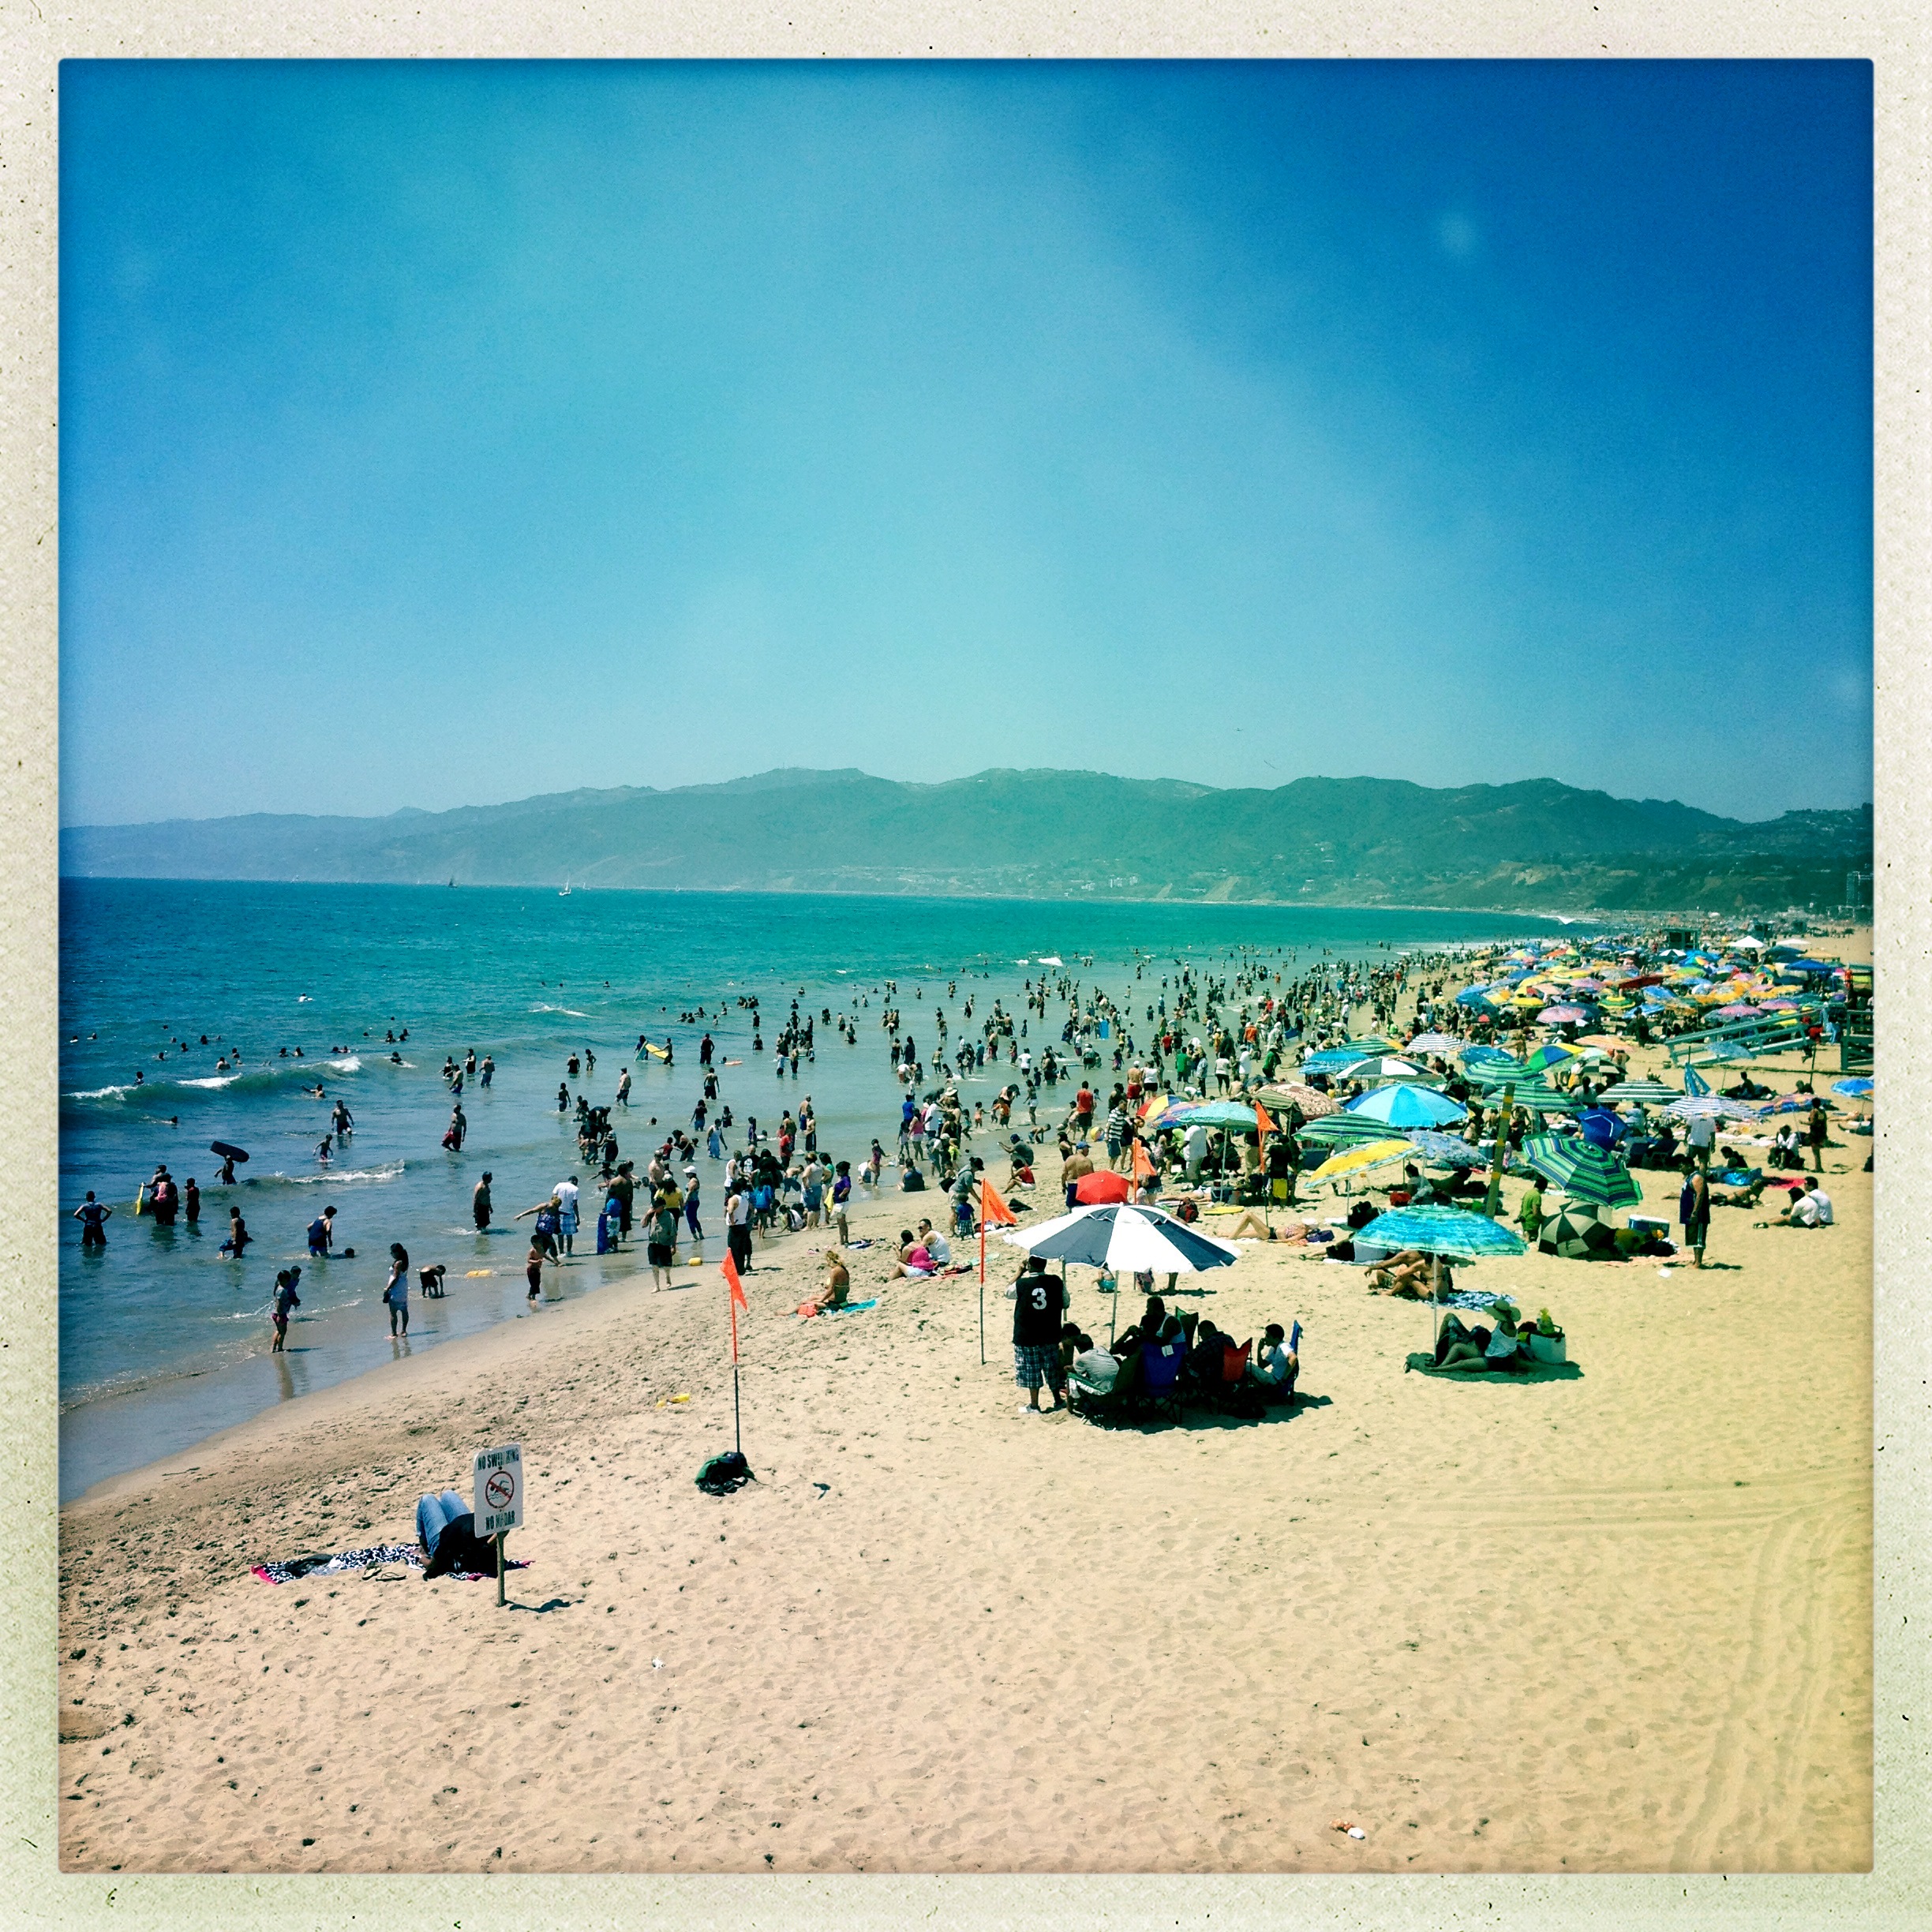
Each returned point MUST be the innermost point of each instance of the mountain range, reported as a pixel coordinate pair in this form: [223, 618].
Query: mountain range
[1533, 846]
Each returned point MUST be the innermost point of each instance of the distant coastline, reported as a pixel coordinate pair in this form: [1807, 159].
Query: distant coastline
[1058, 836]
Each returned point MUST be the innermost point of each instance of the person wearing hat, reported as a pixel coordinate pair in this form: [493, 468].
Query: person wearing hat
[691, 1202]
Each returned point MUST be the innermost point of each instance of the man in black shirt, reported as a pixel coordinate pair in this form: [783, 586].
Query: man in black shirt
[1039, 1304]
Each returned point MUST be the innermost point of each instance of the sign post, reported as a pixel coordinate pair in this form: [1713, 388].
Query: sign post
[496, 1496]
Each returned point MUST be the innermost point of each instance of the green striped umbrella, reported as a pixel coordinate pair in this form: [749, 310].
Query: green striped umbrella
[1585, 1173]
[1533, 1097]
[1335, 1130]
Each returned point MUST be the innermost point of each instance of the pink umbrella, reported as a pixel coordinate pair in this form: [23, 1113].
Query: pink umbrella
[1742, 1010]
[1562, 1016]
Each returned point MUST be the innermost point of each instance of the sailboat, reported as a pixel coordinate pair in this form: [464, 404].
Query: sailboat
[565, 893]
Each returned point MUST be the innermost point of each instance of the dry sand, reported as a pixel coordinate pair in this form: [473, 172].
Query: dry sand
[1619, 1623]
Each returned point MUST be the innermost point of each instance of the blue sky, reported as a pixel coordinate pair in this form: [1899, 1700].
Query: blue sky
[436, 434]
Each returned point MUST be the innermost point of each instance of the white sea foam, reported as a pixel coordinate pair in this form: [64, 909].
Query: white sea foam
[571, 1012]
[213, 1080]
[336, 1176]
[352, 1065]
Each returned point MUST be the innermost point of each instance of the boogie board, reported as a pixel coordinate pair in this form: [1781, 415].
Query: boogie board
[661, 1052]
[141, 1200]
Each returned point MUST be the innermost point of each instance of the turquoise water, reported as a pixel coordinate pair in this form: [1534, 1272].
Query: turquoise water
[163, 1341]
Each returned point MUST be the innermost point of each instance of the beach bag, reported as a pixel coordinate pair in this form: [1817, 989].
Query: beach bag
[1187, 1211]
[724, 1475]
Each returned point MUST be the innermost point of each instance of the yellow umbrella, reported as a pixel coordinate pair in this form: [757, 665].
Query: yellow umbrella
[1371, 1154]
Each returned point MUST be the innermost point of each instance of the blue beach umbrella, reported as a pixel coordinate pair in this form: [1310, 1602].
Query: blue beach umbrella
[1858, 1089]
[1453, 1233]
[1444, 1150]
[1402, 1105]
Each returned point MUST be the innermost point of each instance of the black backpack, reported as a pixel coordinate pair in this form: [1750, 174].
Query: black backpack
[725, 1474]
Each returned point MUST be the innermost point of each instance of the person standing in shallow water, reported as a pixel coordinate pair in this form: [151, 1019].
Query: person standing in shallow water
[480, 1203]
[396, 1295]
[286, 1301]
[92, 1215]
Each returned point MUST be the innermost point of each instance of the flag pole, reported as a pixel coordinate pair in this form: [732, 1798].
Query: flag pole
[982, 1288]
[737, 1413]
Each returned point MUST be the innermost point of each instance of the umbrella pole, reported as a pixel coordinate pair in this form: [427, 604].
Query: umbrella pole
[1493, 1201]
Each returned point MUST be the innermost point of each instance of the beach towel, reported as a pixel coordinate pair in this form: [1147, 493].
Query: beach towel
[807, 1310]
[347, 1560]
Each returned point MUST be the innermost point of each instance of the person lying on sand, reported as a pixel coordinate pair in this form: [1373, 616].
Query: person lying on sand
[1250, 1226]
[1406, 1272]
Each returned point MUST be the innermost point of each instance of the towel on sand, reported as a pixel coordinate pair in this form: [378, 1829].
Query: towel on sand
[346, 1560]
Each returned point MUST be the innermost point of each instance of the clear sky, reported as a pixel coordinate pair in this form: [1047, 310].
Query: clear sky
[435, 434]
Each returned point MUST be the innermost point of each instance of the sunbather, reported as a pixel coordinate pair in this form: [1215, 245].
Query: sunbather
[1475, 1351]
[837, 1283]
[1409, 1273]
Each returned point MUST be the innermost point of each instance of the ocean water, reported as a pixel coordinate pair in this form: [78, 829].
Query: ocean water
[163, 1341]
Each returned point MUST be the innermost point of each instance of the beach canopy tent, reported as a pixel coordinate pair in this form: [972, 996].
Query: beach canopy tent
[1402, 1105]
[1584, 1172]
[1125, 1237]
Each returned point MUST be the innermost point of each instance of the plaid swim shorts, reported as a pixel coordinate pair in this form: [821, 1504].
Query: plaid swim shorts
[1033, 1365]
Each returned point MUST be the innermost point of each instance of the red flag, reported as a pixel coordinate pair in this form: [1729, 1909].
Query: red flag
[728, 1268]
[1262, 1121]
[992, 1208]
[1143, 1166]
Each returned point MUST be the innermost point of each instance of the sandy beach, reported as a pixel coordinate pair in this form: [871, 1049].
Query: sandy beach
[1619, 1623]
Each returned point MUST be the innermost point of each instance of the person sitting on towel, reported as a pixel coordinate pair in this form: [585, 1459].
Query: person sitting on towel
[837, 1283]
